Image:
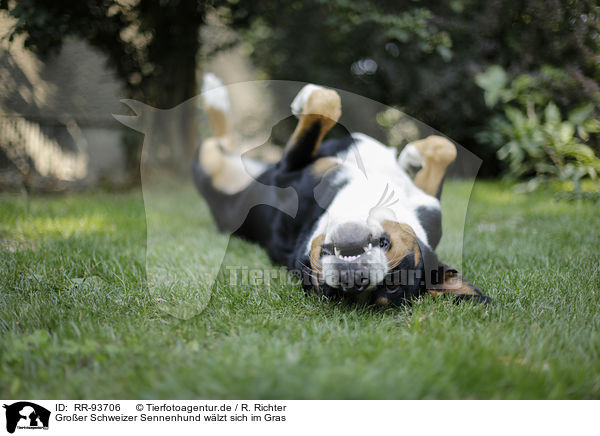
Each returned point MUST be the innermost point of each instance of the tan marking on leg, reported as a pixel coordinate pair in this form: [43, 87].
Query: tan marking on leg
[403, 242]
[322, 165]
[227, 172]
[218, 121]
[233, 177]
[324, 106]
[438, 152]
[267, 152]
[219, 156]
[211, 157]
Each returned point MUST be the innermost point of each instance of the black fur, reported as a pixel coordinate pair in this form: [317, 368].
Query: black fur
[431, 220]
[255, 213]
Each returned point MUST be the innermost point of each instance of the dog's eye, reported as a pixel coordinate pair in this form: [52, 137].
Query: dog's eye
[392, 289]
[384, 242]
[326, 250]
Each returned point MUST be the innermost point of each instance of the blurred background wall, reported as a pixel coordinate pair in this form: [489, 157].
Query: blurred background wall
[56, 126]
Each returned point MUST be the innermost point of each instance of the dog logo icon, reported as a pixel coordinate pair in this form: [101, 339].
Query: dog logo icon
[26, 415]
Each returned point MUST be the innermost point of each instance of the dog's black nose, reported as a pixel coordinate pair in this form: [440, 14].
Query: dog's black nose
[350, 238]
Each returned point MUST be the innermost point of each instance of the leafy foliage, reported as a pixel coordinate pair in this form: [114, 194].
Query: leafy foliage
[532, 135]
[423, 56]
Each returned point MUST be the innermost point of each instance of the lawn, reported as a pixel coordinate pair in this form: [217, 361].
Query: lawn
[77, 319]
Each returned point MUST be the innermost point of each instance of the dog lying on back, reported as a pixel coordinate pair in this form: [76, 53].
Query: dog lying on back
[364, 229]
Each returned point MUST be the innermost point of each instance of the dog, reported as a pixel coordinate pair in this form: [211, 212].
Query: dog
[351, 217]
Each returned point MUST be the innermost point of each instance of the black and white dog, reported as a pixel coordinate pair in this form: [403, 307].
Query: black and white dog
[345, 213]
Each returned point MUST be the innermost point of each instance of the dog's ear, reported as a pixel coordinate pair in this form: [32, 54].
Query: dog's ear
[452, 282]
[440, 279]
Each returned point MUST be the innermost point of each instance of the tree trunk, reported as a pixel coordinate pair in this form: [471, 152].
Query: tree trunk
[173, 52]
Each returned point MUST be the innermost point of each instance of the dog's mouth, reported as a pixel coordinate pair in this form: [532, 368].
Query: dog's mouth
[396, 286]
[346, 253]
[350, 252]
[355, 258]
[353, 268]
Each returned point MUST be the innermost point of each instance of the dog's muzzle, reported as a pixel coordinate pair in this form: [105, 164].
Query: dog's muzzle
[353, 262]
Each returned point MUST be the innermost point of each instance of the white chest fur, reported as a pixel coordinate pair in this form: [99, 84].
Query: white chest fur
[368, 170]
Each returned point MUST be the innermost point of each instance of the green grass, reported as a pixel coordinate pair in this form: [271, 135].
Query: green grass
[78, 321]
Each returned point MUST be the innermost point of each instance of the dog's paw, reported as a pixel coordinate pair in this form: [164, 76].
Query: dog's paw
[214, 94]
[302, 97]
[314, 100]
[410, 159]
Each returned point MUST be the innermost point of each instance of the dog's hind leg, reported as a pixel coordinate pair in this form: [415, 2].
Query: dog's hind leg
[229, 173]
[230, 182]
[318, 110]
[432, 155]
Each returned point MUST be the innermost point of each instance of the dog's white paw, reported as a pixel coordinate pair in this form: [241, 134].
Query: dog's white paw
[410, 158]
[214, 94]
[302, 98]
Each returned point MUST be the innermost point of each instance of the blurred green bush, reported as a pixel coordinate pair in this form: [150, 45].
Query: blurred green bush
[530, 132]
[423, 56]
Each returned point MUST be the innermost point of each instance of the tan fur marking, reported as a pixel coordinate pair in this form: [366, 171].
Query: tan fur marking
[315, 254]
[382, 301]
[417, 253]
[323, 105]
[266, 152]
[438, 152]
[322, 165]
[218, 121]
[233, 178]
[211, 156]
[324, 102]
[463, 290]
[220, 157]
[436, 148]
[455, 285]
[404, 241]
[227, 172]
